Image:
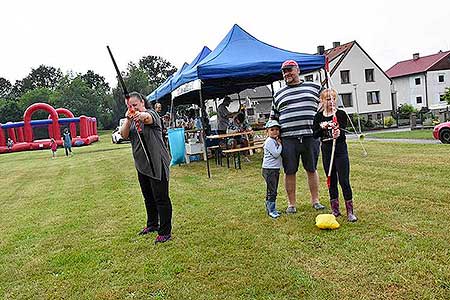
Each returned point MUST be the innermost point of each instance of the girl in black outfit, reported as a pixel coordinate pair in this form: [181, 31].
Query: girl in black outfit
[327, 130]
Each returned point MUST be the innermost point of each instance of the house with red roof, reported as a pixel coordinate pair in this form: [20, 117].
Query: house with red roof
[421, 81]
[363, 87]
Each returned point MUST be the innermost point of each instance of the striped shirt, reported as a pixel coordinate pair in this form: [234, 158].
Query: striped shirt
[295, 107]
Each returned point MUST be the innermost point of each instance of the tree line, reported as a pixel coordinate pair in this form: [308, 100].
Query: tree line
[83, 94]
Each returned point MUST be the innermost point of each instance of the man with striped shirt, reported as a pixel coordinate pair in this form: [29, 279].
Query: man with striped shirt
[294, 106]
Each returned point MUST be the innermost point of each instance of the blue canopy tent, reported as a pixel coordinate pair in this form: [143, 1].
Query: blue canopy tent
[239, 62]
[161, 94]
[153, 95]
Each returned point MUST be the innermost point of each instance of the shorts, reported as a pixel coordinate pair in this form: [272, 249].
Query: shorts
[306, 147]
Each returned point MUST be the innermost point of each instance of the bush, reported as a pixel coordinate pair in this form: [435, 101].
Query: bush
[388, 121]
[405, 110]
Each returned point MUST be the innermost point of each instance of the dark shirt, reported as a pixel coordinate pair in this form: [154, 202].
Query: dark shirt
[158, 156]
[326, 135]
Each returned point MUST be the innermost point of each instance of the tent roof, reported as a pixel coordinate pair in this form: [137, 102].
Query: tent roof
[166, 87]
[180, 80]
[241, 61]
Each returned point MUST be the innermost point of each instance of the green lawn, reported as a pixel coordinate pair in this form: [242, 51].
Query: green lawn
[68, 230]
[421, 134]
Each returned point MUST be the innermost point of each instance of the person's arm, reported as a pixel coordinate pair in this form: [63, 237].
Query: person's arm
[317, 129]
[125, 128]
[274, 113]
[273, 147]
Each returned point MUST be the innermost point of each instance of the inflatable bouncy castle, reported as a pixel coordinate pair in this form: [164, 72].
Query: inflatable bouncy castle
[21, 133]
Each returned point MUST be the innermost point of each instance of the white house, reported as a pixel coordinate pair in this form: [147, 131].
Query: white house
[421, 81]
[362, 85]
[258, 102]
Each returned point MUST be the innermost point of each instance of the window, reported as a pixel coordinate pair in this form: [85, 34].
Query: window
[373, 97]
[369, 75]
[441, 97]
[441, 78]
[379, 116]
[308, 78]
[346, 100]
[417, 81]
[345, 76]
[419, 99]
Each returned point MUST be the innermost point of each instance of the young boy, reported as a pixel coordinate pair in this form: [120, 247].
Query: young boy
[271, 165]
[327, 130]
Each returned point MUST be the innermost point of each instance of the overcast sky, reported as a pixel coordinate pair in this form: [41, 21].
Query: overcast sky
[73, 35]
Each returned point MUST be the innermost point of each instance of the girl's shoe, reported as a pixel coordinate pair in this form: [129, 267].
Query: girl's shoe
[334, 203]
[350, 216]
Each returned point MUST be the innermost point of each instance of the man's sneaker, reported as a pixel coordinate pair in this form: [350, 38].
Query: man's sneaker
[291, 210]
[162, 238]
[318, 206]
[148, 230]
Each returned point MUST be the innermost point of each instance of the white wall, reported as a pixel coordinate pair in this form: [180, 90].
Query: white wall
[436, 88]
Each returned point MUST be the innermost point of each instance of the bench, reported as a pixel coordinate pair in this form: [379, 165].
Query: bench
[237, 154]
[217, 156]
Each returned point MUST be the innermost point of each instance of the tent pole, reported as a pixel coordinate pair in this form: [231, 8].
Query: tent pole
[271, 88]
[202, 111]
[239, 99]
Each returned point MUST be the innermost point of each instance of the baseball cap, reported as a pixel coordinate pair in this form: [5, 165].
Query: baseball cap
[272, 123]
[289, 64]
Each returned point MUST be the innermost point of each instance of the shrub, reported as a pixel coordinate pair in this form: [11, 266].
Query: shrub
[388, 121]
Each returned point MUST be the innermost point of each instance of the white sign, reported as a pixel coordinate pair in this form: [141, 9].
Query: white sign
[187, 87]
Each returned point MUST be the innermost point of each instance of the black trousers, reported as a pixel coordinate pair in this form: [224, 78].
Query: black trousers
[272, 177]
[157, 202]
[340, 171]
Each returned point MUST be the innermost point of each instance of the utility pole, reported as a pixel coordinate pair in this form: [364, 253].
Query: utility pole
[357, 107]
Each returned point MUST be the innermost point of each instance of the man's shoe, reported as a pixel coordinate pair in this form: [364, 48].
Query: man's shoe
[291, 210]
[318, 206]
[148, 230]
[162, 238]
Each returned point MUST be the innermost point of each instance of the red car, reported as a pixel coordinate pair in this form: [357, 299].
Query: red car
[442, 132]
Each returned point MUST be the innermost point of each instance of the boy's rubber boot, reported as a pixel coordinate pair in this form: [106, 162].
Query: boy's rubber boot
[350, 215]
[334, 203]
[271, 210]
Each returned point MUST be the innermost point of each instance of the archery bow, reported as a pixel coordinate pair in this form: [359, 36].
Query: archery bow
[130, 108]
[335, 123]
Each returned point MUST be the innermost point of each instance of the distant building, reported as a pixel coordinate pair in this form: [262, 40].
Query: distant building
[257, 101]
[361, 84]
[421, 81]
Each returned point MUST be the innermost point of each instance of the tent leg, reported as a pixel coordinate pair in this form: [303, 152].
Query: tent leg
[203, 110]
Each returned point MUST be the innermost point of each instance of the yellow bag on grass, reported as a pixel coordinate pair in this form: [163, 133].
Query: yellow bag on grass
[327, 221]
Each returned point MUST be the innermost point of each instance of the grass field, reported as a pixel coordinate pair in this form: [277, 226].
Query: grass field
[68, 230]
[421, 134]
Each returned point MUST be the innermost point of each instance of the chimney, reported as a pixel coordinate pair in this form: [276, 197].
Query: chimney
[321, 49]
[336, 44]
[415, 56]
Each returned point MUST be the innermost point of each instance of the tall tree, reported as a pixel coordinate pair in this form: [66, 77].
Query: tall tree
[42, 77]
[10, 111]
[5, 87]
[95, 81]
[157, 69]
